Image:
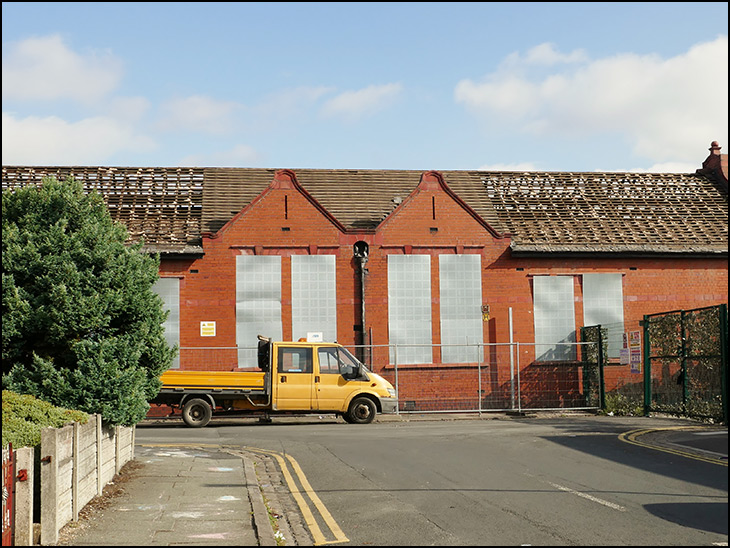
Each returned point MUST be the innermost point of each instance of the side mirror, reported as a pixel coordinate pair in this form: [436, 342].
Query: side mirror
[352, 373]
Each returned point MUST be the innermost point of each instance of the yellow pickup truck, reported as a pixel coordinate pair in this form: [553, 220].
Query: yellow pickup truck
[295, 377]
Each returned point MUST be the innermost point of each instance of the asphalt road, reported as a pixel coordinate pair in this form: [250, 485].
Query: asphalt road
[544, 481]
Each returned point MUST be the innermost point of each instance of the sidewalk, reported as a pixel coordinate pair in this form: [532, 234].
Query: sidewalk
[180, 496]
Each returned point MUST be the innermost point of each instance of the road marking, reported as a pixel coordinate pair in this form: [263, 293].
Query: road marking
[632, 435]
[588, 497]
[318, 503]
[317, 535]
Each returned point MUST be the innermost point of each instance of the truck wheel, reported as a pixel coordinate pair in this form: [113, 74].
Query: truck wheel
[196, 413]
[362, 411]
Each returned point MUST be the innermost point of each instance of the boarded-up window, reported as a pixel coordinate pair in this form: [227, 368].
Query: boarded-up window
[314, 296]
[409, 308]
[258, 303]
[460, 294]
[169, 290]
[554, 312]
[603, 304]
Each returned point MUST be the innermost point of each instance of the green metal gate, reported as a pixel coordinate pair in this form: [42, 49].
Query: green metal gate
[685, 363]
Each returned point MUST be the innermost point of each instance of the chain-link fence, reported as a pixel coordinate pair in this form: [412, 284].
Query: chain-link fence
[621, 366]
[488, 377]
[498, 377]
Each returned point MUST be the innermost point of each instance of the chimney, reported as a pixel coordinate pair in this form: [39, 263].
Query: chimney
[716, 164]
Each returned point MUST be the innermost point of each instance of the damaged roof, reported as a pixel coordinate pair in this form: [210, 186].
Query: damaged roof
[543, 212]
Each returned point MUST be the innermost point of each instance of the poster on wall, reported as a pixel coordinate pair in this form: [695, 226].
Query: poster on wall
[631, 351]
[635, 351]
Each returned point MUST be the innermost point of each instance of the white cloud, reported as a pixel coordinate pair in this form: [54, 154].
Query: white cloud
[54, 141]
[544, 55]
[666, 108]
[44, 68]
[198, 113]
[354, 105]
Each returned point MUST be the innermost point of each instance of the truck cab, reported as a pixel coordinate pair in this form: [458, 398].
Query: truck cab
[324, 377]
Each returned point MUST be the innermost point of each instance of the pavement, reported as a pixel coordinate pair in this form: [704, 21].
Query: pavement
[198, 496]
[179, 496]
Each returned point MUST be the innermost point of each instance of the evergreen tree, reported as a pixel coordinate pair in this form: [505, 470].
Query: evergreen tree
[82, 327]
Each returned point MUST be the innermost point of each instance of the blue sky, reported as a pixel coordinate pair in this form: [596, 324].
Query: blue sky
[493, 86]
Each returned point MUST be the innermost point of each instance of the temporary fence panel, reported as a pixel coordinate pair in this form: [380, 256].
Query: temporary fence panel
[500, 377]
[497, 377]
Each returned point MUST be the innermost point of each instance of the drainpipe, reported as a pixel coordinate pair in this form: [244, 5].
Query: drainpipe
[361, 250]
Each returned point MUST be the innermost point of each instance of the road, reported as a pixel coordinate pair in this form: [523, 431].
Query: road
[556, 481]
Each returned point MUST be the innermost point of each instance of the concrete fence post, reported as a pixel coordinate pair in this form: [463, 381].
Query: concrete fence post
[66, 483]
[99, 457]
[49, 486]
[75, 472]
[117, 449]
[25, 468]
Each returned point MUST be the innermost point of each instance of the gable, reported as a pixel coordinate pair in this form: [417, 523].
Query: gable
[433, 215]
[284, 213]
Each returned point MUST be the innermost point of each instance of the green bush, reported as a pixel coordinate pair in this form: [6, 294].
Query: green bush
[620, 405]
[24, 416]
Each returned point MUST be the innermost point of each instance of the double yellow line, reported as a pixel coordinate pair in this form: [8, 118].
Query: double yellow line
[285, 461]
[633, 435]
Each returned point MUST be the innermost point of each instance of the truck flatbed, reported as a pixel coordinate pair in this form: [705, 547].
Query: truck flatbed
[248, 382]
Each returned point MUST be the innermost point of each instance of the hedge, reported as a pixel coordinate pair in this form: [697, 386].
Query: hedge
[24, 416]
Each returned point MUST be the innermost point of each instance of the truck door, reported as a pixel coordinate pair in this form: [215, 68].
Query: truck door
[334, 384]
[293, 386]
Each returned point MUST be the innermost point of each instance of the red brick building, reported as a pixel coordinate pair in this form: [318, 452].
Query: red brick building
[428, 261]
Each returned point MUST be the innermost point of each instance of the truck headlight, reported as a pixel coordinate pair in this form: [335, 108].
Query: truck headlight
[391, 391]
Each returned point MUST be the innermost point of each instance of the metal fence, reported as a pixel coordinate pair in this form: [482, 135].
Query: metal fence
[489, 377]
[686, 362]
[500, 377]
[672, 362]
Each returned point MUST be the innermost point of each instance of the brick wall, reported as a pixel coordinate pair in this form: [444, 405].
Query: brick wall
[285, 221]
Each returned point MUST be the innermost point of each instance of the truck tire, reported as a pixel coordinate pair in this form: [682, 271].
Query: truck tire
[362, 410]
[196, 413]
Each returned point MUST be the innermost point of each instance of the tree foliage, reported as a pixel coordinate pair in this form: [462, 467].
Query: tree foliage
[82, 327]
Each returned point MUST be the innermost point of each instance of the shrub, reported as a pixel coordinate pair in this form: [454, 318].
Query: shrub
[24, 416]
[619, 405]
